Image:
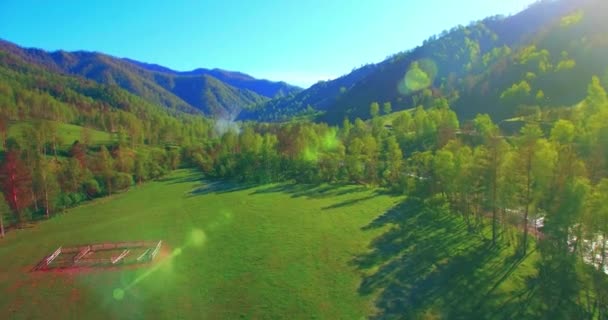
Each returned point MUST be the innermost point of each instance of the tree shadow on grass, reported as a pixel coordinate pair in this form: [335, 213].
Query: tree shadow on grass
[427, 265]
[349, 202]
[220, 186]
[192, 177]
[315, 191]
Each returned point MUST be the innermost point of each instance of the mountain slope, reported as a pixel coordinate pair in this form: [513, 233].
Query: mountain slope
[478, 68]
[320, 96]
[214, 92]
[31, 92]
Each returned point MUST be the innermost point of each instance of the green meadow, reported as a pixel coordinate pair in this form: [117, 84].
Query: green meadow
[279, 251]
[68, 133]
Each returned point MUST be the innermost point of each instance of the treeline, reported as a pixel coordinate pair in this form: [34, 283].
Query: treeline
[36, 182]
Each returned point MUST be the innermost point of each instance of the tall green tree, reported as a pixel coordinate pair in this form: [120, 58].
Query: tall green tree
[393, 161]
[374, 109]
[45, 184]
[527, 148]
[387, 108]
[597, 98]
[105, 168]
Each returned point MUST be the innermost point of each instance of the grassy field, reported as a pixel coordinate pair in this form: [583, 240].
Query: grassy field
[68, 133]
[266, 252]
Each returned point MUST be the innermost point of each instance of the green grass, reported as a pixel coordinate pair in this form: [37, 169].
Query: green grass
[68, 133]
[267, 252]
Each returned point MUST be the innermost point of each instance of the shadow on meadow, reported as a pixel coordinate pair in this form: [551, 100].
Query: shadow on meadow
[313, 191]
[427, 265]
[220, 186]
[191, 177]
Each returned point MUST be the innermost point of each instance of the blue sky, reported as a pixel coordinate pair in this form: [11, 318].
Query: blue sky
[300, 42]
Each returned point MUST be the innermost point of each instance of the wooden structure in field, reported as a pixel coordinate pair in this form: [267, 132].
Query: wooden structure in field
[101, 255]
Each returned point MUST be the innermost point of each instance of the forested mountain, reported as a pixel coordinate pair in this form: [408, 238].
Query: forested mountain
[503, 66]
[214, 92]
[262, 87]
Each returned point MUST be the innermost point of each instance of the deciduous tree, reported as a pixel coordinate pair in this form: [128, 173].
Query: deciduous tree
[16, 184]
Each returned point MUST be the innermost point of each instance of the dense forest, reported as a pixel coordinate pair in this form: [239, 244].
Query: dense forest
[507, 132]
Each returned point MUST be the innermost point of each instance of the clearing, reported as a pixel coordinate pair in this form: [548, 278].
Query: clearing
[263, 252]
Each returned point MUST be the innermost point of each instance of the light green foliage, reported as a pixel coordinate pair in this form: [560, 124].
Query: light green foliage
[543, 164]
[563, 132]
[566, 64]
[530, 76]
[532, 57]
[495, 54]
[387, 108]
[354, 160]
[596, 97]
[540, 96]
[474, 50]
[374, 109]
[484, 126]
[444, 166]
[517, 92]
[605, 78]
[597, 219]
[104, 165]
[393, 162]
[572, 19]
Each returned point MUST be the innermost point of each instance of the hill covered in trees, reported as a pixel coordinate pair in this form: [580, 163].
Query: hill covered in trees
[213, 92]
[504, 66]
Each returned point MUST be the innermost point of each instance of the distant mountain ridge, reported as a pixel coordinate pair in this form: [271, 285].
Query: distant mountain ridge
[263, 87]
[216, 92]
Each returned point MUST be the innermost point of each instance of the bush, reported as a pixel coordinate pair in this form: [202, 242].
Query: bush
[122, 181]
[92, 187]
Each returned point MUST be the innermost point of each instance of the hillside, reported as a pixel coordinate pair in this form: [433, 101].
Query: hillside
[503, 66]
[214, 92]
[32, 92]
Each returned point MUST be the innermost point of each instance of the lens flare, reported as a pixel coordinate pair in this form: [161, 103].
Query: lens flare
[330, 140]
[198, 237]
[420, 75]
[118, 294]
